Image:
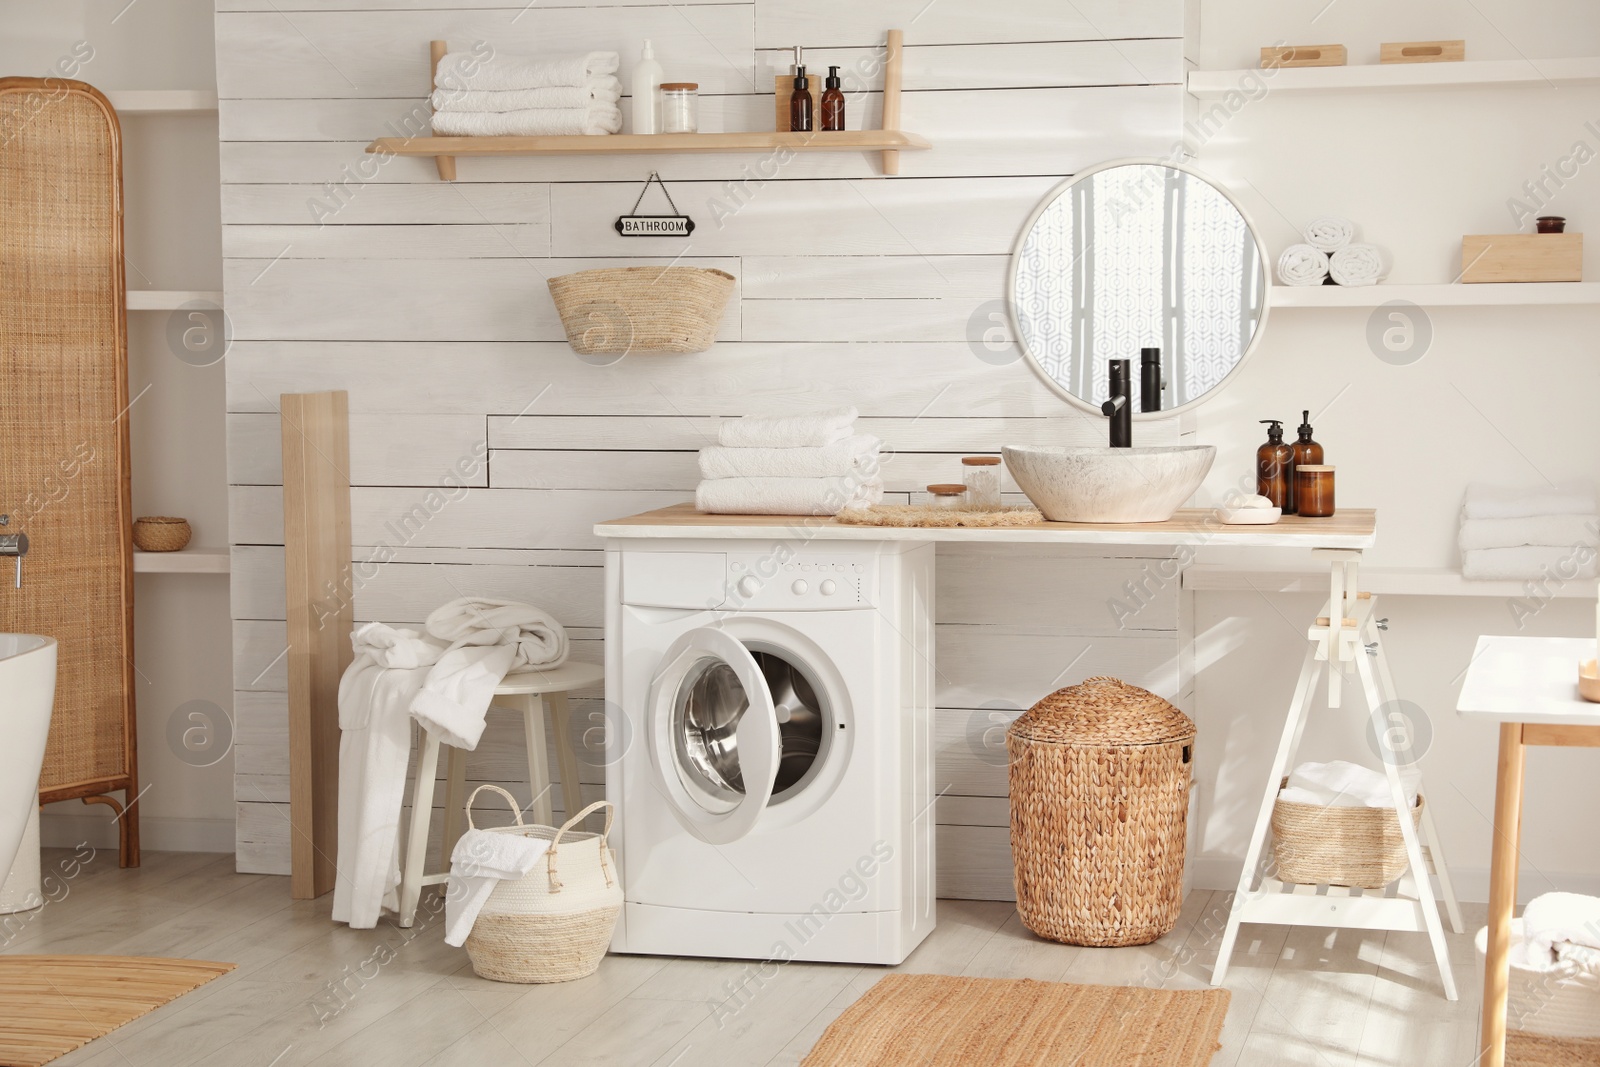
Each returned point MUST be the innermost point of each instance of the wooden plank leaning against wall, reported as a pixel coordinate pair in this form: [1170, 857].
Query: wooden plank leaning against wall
[483, 449]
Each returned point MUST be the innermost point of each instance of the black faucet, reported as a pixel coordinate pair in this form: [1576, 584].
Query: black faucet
[1119, 408]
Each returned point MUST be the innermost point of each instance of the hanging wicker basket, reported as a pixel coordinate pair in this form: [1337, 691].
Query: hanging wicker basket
[1100, 776]
[160, 533]
[621, 310]
[1552, 1015]
[1357, 847]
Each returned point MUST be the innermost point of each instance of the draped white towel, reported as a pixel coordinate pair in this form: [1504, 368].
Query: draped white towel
[594, 120]
[785, 496]
[1518, 502]
[1302, 265]
[1530, 561]
[811, 430]
[604, 90]
[1553, 918]
[479, 861]
[1356, 265]
[1329, 233]
[463, 70]
[1548, 530]
[1338, 784]
[853, 454]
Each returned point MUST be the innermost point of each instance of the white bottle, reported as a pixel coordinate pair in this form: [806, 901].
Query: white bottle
[646, 92]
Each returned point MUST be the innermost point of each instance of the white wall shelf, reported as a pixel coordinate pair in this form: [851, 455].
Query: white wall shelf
[1391, 76]
[184, 561]
[1420, 581]
[1458, 295]
[163, 101]
[168, 299]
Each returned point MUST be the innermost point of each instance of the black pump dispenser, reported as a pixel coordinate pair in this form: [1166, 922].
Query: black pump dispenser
[1274, 431]
[1305, 427]
[800, 79]
[832, 81]
[1275, 468]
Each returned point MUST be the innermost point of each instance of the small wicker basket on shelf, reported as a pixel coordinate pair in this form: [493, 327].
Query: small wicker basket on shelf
[160, 533]
[1357, 847]
[618, 310]
[1100, 776]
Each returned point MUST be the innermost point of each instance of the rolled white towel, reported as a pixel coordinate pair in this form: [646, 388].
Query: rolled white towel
[785, 496]
[853, 454]
[534, 122]
[464, 70]
[1302, 265]
[1547, 530]
[811, 430]
[1356, 265]
[606, 90]
[1530, 562]
[1554, 918]
[1338, 784]
[1330, 233]
[1499, 502]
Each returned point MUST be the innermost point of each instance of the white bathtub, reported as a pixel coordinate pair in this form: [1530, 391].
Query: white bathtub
[27, 693]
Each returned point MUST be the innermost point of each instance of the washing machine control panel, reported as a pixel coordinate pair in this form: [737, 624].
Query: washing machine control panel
[815, 581]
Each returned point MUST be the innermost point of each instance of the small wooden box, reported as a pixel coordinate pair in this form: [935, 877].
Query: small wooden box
[1522, 257]
[783, 90]
[1423, 52]
[1304, 55]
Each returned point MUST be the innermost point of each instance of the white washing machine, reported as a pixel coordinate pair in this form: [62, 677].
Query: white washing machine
[771, 758]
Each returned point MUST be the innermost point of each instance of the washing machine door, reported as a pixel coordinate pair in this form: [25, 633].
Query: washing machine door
[714, 735]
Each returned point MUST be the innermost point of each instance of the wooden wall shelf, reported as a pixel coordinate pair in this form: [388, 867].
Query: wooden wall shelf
[891, 141]
[1490, 294]
[1381, 76]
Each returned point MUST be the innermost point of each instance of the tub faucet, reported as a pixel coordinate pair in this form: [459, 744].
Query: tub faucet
[1119, 407]
[13, 544]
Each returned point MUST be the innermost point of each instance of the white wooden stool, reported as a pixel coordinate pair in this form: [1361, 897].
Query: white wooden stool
[533, 693]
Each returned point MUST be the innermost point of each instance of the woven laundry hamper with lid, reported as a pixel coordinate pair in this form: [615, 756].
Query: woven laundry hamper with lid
[1100, 778]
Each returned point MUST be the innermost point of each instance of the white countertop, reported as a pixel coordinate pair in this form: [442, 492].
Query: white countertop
[1528, 679]
[1353, 528]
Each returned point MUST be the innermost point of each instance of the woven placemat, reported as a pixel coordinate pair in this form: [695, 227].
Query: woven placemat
[935, 1019]
[50, 1005]
[927, 515]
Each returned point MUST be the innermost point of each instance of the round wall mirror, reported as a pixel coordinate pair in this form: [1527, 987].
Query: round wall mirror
[1144, 261]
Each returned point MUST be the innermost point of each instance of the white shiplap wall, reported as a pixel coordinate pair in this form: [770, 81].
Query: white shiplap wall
[427, 302]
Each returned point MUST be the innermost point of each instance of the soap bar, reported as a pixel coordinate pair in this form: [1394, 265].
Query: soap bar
[1255, 501]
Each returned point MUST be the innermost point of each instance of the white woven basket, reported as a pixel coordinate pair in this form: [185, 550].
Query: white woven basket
[555, 923]
[1560, 1005]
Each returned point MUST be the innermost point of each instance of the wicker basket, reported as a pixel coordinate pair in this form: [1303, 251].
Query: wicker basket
[617, 310]
[1552, 1016]
[1100, 777]
[1357, 847]
[554, 924]
[161, 533]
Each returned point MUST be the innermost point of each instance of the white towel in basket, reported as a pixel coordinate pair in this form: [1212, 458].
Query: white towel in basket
[1553, 918]
[1338, 784]
[479, 861]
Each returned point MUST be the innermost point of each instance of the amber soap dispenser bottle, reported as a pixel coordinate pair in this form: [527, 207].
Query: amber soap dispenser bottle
[800, 117]
[1307, 453]
[832, 102]
[1275, 468]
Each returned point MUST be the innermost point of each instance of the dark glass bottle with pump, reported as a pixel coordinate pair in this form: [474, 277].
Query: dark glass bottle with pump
[1307, 453]
[1275, 468]
[832, 102]
[800, 117]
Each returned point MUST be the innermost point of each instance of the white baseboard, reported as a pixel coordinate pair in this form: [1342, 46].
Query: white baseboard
[1472, 883]
[157, 834]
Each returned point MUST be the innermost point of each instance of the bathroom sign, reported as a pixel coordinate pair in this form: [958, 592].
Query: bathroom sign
[674, 225]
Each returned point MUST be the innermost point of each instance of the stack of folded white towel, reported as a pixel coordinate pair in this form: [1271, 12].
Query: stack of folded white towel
[812, 464]
[1339, 784]
[1558, 928]
[1539, 533]
[1329, 250]
[520, 96]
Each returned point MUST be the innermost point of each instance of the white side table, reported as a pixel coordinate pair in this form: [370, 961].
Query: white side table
[1529, 685]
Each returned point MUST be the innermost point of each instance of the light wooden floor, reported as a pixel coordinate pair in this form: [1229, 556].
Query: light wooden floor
[1300, 996]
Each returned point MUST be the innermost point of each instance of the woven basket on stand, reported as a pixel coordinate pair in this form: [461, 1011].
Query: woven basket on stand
[617, 310]
[1100, 777]
[1357, 847]
[1552, 1015]
[553, 924]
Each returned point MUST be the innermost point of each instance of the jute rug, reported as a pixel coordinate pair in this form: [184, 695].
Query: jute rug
[933, 1019]
[50, 1005]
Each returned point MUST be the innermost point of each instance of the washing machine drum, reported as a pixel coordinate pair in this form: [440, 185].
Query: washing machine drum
[705, 725]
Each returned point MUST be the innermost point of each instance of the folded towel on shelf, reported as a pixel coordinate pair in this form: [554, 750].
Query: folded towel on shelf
[1563, 531]
[594, 120]
[1554, 918]
[464, 70]
[853, 454]
[605, 90]
[1329, 233]
[1497, 502]
[786, 496]
[488, 639]
[1338, 784]
[1356, 265]
[811, 430]
[1531, 561]
[479, 861]
[1302, 265]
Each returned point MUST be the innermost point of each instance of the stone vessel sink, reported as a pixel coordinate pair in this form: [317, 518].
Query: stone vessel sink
[1109, 484]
